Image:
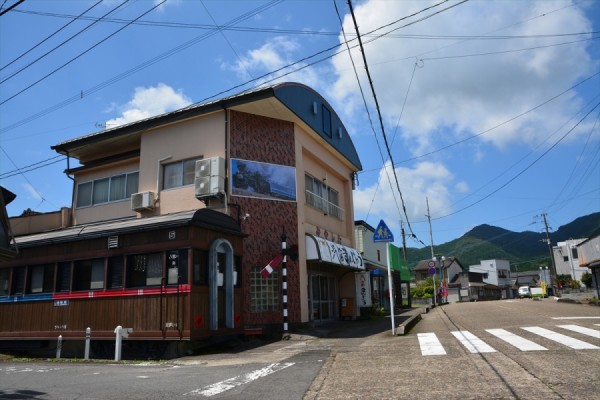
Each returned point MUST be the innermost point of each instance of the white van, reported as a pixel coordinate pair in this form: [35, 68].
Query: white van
[524, 291]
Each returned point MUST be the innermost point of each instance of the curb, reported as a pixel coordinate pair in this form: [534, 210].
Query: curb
[409, 323]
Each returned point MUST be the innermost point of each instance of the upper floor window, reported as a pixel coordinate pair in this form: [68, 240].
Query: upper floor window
[114, 188]
[502, 273]
[179, 173]
[322, 197]
[326, 121]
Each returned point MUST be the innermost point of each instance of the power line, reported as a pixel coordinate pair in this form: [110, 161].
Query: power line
[493, 127]
[5, 10]
[80, 54]
[183, 25]
[523, 170]
[377, 102]
[46, 39]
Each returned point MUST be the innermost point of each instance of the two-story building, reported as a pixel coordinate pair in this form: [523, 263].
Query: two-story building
[566, 259]
[496, 273]
[175, 217]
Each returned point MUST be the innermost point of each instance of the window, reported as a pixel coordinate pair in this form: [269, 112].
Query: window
[41, 278]
[18, 282]
[264, 292]
[106, 190]
[566, 258]
[322, 197]
[63, 277]
[179, 173]
[145, 270]
[326, 121]
[502, 273]
[4, 274]
[574, 254]
[200, 267]
[88, 274]
[116, 269]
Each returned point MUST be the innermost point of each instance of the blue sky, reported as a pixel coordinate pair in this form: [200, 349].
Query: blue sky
[490, 108]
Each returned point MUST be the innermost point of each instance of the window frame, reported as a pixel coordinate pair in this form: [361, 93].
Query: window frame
[265, 293]
[183, 176]
[105, 195]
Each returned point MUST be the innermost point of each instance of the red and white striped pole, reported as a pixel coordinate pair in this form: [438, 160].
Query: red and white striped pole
[284, 281]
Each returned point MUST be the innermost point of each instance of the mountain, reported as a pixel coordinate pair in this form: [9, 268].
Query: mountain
[524, 250]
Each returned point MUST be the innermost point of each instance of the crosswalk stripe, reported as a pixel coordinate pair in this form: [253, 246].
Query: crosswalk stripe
[430, 345]
[472, 342]
[515, 340]
[560, 338]
[581, 329]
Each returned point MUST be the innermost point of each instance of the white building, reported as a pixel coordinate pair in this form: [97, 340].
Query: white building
[566, 259]
[496, 272]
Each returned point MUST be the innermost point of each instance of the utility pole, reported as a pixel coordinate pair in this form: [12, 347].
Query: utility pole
[549, 249]
[432, 253]
[404, 253]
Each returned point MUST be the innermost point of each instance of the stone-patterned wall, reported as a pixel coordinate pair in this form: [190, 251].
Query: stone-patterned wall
[267, 140]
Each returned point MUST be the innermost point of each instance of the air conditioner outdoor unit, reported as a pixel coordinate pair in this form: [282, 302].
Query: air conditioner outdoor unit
[207, 186]
[214, 166]
[210, 177]
[142, 201]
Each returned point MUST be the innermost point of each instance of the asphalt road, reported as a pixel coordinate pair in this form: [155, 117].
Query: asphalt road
[486, 350]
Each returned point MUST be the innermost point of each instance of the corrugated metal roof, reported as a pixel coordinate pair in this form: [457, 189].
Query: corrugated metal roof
[296, 97]
[204, 217]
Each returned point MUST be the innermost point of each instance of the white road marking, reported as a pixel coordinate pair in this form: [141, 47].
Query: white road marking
[519, 342]
[472, 342]
[227, 384]
[430, 345]
[581, 329]
[560, 338]
[575, 317]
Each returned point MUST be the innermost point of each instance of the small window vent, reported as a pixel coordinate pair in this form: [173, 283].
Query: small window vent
[113, 242]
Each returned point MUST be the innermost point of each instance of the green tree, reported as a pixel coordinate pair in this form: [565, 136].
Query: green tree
[424, 288]
[587, 279]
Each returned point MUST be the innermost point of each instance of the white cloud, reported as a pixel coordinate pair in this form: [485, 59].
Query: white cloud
[274, 55]
[426, 181]
[458, 97]
[32, 192]
[149, 102]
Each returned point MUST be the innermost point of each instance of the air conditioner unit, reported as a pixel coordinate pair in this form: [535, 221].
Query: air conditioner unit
[214, 166]
[142, 201]
[207, 186]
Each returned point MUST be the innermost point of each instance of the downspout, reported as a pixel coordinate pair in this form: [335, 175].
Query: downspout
[72, 190]
[227, 157]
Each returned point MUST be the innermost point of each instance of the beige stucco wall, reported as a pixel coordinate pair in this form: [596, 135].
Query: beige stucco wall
[108, 211]
[204, 136]
[313, 158]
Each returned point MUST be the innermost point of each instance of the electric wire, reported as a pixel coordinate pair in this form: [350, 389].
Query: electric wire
[512, 179]
[362, 93]
[183, 25]
[45, 40]
[79, 55]
[471, 137]
[377, 102]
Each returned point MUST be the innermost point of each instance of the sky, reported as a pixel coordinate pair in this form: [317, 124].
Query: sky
[462, 112]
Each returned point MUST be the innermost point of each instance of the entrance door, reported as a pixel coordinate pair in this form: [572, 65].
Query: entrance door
[322, 294]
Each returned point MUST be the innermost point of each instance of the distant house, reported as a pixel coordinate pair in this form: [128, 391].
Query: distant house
[498, 274]
[450, 269]
[471, 286]
[589, 256]
[566, 259]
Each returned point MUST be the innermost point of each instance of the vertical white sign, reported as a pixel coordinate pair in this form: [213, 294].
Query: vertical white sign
[363, 289]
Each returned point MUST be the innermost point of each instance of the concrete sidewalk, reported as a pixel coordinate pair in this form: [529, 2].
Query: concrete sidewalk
[404, 320]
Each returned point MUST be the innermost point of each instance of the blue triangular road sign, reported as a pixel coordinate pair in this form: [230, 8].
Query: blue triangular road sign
[383, 233]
